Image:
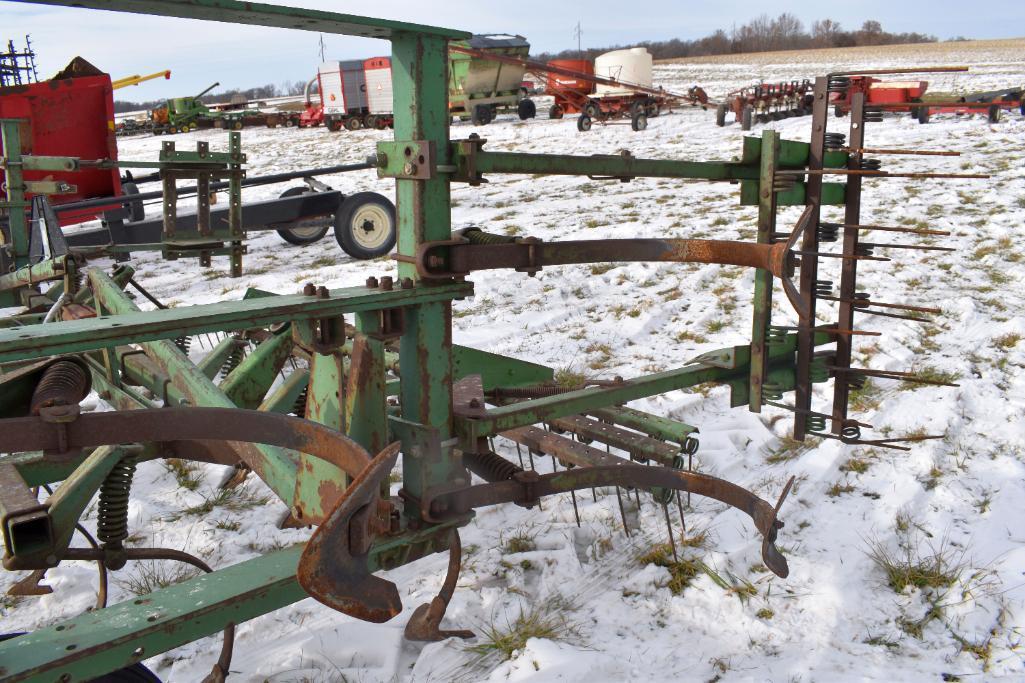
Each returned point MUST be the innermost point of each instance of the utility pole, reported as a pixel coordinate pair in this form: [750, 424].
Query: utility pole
[322, 48]
[576, 34]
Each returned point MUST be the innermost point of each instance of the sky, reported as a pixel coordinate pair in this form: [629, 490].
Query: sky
[200, 53]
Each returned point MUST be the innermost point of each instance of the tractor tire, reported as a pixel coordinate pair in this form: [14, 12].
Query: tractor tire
[591, 110]
[720, 115]
[994, 114]
[639, 121]
[556, 112]
[365, 225]
[481, 115]
[923, 115]
[136, 210]
[526, 109]
[584, 123]
[237, 125]
[171, 130]
[745, 117]
[301, 236]
[289, 122]
[353, 123]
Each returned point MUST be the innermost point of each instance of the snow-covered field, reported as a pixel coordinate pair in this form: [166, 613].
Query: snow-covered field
[952, 505]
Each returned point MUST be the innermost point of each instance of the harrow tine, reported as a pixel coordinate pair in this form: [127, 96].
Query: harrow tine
[892, 228]
[882, 174]
[862, 303]
[919, 247]
[903, 152]
[893, 374]
[622, 512]
[669, 526]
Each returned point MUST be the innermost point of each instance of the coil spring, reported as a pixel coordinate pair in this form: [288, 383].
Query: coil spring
[184, 343]
[817, 368]
[112, 510]
[823, 288]
[871, 164]
[852, 432]
[540, 391]
[873, 115]
[690, 447]
[776, 335]
[772, 391]
[838, 83]
[299, 407]
[816, 423]
[835, 141]
[778, 237]
[478, 236]
[235, 357]
[828, 232]
[662, 495]
[490, 466]
[63, 383]
[865, 250]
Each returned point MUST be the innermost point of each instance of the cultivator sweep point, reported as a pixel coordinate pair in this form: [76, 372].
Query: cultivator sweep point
[300, 389]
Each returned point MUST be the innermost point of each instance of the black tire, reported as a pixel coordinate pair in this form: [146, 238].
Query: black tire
[584, 123]
[838, 111]
[591, 110]
[994, 114]
[380, 123]
[556, 112]
[481, 115]
[526, 109]
[652, 110]
[720, 115]
[923, 115]
[236, 125]
[370, 121]
[301, 236]
[289, 122]
[353, 123]
[745, 117]
[365, 225]
[334, 125]
[639, 121]
[136, 210]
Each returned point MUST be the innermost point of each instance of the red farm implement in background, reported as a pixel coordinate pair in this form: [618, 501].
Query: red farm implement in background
[766, 102]
[72, 114]
[602, 97]
[909, 96]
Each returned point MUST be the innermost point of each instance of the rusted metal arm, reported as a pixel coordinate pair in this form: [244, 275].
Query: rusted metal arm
[458, 258]
[525, 488]
[183, 424]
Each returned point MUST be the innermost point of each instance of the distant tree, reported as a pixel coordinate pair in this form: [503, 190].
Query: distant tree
[824, 33]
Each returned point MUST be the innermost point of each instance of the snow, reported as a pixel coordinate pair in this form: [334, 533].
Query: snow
[834, 618]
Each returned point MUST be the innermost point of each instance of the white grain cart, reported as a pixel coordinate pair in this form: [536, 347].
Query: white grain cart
[343, 90]
[379, 93]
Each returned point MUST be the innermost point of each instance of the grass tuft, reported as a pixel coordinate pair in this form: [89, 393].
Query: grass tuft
[544, 620]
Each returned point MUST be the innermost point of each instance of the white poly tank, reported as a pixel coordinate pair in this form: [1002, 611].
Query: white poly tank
[632, 65]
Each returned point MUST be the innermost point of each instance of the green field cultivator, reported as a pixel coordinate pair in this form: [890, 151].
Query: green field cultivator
[318, 392]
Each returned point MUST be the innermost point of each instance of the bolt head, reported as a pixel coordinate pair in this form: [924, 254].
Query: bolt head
[409, 168]
[406, 283]
[387, 282]
[372, 282]
[322, 292]
[309, 289]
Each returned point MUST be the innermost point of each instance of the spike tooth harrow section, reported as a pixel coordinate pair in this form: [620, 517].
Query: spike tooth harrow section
[395, 377]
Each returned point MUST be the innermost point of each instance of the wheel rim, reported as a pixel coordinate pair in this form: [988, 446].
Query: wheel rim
[370, 226]
[307, 233]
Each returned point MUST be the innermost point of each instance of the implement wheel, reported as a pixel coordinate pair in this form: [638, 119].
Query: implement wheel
[353, 123]
[584, 123]
[745, 117]
[365, 225]
[555, 112]
[301, 235]
[720, 115]
[526, 109]
[639, 121]
[994, 114]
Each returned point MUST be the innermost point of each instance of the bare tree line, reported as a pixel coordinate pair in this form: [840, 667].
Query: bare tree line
[763, 34]
[262, 92]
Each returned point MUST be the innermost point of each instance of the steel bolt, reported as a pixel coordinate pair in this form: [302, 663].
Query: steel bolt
[409, 168]
[309, 289]
[382, 159]
[372, 282]
[322, 292]
[406, 283]
[435, 261]
[387, 283]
